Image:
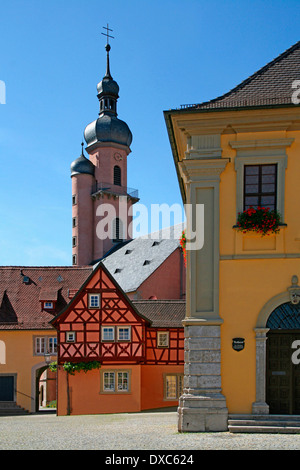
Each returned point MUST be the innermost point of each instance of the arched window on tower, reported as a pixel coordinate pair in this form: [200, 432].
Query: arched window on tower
[117, 230]
[117, 175]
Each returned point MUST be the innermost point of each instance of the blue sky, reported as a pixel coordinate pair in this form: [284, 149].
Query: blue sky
[165, 53]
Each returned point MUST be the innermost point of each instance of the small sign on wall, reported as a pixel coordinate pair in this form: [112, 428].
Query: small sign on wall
[238, 344]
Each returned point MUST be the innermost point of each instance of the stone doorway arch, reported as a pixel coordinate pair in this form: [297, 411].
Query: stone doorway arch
[265, 323]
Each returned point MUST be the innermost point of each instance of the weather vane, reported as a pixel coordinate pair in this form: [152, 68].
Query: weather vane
[106, 34]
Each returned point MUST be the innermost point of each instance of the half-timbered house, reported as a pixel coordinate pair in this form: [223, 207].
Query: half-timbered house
[140, 354]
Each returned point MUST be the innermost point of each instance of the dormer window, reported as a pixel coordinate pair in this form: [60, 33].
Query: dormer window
[48, 298]
[48, 305]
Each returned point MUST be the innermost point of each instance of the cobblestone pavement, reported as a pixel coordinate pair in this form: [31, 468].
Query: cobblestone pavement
[133, 431]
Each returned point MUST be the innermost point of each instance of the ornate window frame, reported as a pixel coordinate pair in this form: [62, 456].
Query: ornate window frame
[261, 152]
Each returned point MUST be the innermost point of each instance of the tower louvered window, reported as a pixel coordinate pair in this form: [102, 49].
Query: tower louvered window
[117, 175]
[117, 230]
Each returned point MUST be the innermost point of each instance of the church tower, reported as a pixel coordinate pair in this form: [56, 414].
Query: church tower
[101, 201]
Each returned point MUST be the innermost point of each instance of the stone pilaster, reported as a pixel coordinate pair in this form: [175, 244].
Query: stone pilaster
[202, 407]
[260, 406]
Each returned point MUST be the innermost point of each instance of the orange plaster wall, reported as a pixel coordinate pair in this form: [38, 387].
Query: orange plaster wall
[147, 390]
[86, 396]
[152, 390]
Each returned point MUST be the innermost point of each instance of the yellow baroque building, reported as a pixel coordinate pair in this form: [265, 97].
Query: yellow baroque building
[242, 324]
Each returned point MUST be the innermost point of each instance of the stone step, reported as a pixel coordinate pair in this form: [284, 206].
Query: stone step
[265, 417]
[8, 408]
[283, 424]
[264, 429]
[254, 422]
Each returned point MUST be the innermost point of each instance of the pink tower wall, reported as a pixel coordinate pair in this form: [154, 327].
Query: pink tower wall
[83, 211]
[104, 159]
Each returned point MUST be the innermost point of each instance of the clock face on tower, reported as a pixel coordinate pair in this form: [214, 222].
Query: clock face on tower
[118, 156]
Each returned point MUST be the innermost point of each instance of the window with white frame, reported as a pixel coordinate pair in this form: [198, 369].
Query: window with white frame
[162, 339]
[116, 381]
[123, 384]
[94, 300]
[124, 333]
[108, 333]
[52, 345]
[40, 344]
[173, 386]
[70, 336]
[44, 344]
[108, 381]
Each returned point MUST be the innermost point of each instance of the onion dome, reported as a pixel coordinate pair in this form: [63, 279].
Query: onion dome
[108, 128]
[82, 165]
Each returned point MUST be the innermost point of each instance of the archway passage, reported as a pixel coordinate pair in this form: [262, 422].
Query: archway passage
[282, 371]
[45, 389]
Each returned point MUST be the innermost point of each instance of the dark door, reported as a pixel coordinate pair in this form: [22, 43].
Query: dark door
[7, 388]
[283, 373]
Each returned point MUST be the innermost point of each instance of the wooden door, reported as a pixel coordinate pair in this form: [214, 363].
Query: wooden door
[283, 376]
[7, 388]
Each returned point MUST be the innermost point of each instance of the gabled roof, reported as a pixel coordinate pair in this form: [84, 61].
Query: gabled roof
[61, 315]
[20, 307]
[269, 86]
[136, 260]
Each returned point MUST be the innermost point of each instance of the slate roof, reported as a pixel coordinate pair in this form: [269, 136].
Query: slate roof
[269, 86]
[20, 303]
[137, 259]
[162, 313]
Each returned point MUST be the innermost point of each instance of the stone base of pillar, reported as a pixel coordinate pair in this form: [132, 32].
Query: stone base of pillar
[207, 413]
[260, 408]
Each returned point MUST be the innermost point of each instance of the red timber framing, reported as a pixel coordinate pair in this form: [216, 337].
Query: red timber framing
[80, 325]
[111, 331]
[172, 354]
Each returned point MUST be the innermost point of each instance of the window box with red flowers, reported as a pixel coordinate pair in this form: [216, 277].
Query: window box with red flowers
[260, 220]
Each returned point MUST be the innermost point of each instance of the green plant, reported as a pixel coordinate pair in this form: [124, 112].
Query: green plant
[51, 404]
[72, 367]
[261, 220]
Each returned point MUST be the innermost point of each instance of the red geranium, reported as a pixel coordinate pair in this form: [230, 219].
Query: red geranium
[182, 242]
[261, 220]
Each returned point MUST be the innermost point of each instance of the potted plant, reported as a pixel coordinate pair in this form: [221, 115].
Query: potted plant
[260, 220]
